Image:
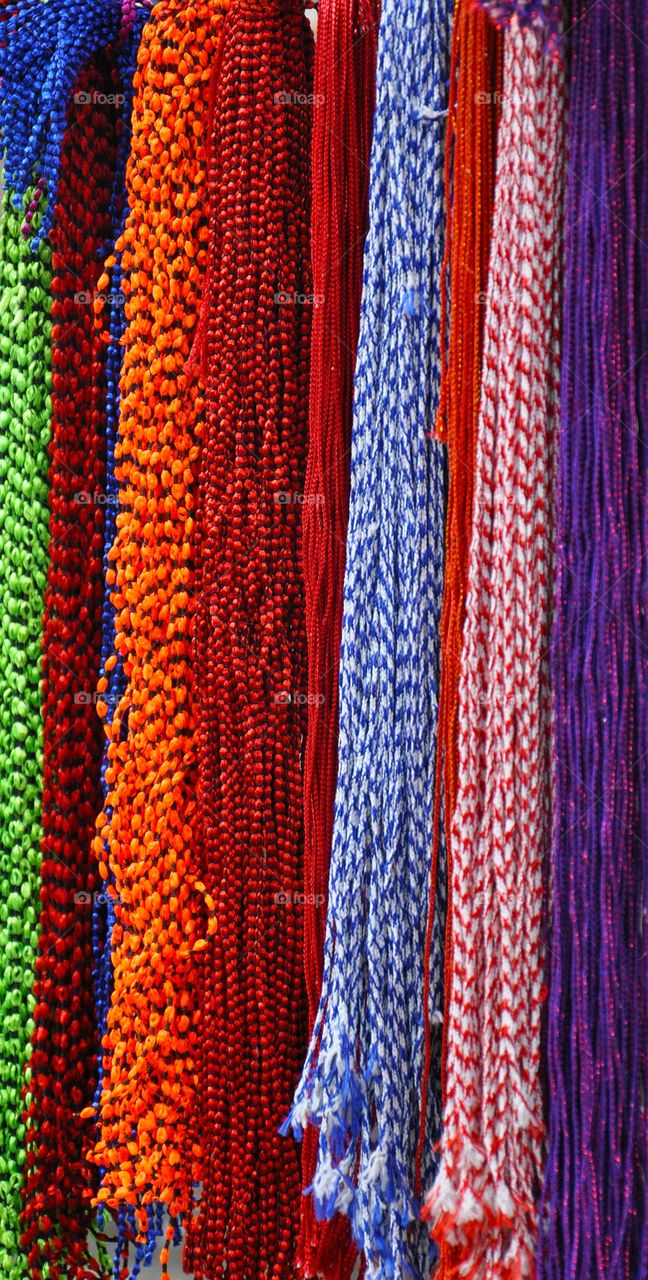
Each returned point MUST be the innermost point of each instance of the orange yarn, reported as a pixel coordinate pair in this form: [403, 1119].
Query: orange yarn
[147, 1144]
[475, 78]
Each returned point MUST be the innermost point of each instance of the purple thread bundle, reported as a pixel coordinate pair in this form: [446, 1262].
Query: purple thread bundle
[594, 1222]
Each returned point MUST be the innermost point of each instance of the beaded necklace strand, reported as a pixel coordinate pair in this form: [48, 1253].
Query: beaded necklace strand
[595, 1210]
[483, 1205]
[58, 1182]
[44, 47]
[250, 637]
[361, 1083]
[149, 1146]
[345, 71]
[25, 384]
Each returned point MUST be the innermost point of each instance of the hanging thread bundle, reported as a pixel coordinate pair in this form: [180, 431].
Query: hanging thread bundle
[483, 1201]
[595, 1213]
[250, 636]
[475, 79]
[25, 410]
[58, 1181]
[345, 71]
[362, 1079]
[149, 1147]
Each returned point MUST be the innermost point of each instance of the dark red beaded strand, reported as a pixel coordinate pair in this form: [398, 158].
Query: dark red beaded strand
[58, 1182]
[250, 638]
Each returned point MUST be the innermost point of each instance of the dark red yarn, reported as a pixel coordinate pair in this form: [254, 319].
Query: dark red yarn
[344, 95]
[250, 640]
[58, 1181]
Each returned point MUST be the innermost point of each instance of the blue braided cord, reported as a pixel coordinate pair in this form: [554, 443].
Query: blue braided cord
[361, 1083]
[44, 47]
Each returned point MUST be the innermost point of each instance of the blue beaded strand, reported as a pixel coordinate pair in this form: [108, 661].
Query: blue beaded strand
[44, 47]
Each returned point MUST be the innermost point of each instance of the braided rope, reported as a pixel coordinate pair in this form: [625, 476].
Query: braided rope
[469, 180]
[58, 1183]
[483, 1201]
[362, 1078]
[345, 69]
[595, 1207]
[250, 637]
[149, 1147]
[25, 382]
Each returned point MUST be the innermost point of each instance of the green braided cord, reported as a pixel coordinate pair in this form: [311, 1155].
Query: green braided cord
[25, 384]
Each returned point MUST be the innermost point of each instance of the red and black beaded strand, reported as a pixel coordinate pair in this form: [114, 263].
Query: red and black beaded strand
[58, 1182]
[250, 638]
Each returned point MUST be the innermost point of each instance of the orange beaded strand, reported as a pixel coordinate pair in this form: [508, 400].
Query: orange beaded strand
[148, 1145]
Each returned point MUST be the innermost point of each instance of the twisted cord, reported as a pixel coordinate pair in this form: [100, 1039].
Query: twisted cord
[345, 69]
[475, 77]
[483, 1203]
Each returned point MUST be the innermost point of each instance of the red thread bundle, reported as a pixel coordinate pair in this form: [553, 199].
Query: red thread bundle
[344, 93]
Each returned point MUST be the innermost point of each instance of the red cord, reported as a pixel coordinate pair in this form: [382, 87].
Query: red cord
[58, 1182]
[250, 640]
[344, 93]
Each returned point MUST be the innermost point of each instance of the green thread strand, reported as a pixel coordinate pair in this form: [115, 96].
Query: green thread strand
[25, 385]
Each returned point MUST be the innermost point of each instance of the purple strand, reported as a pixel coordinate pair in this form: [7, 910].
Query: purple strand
[594, 1214]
